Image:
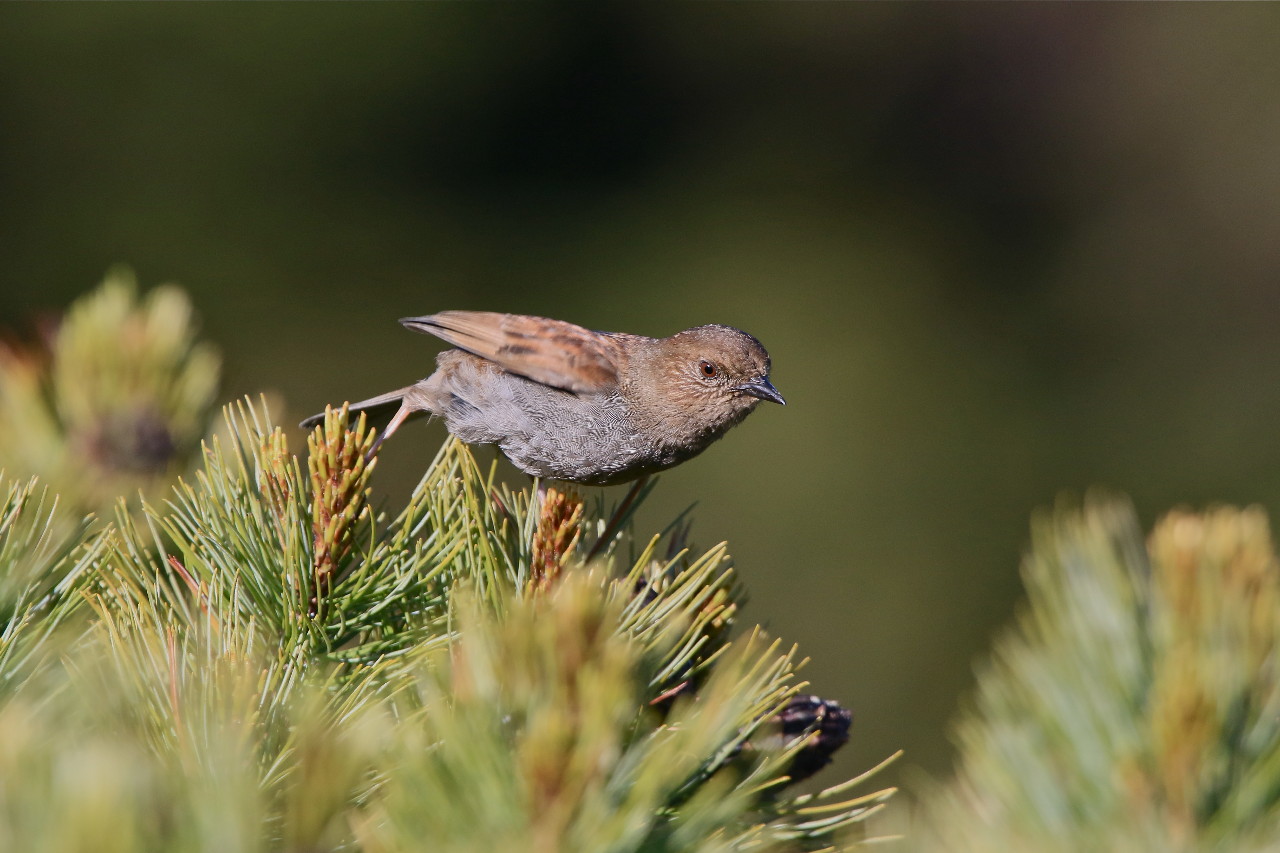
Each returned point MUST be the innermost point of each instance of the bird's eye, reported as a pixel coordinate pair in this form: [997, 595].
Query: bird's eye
[708, 369]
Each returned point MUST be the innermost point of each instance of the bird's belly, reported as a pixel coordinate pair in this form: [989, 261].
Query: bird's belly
[593, 445]
[555, 434]
[550, 433]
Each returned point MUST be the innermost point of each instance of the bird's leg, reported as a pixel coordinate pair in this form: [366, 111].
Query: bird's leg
[398, 419]
[615, 520]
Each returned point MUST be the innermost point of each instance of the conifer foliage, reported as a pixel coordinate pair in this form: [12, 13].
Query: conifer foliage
[1136, 703]
[259, 660]
[112, 399]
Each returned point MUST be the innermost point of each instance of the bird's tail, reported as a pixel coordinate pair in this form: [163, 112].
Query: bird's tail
[380, 409]
[385, 411]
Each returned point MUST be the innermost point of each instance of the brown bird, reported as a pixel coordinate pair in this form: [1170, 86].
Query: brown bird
[567, 403]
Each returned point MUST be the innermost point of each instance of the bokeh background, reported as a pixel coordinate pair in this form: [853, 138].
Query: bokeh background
[998, 253]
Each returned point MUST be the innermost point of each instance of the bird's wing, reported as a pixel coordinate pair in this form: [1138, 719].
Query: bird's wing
[552, 352]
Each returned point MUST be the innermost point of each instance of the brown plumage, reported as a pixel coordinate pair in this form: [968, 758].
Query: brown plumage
[567, 403]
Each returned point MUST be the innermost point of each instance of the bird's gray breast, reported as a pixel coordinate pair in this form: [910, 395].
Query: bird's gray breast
[544, 431]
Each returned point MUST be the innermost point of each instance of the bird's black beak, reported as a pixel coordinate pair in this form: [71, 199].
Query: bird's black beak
[763, 389]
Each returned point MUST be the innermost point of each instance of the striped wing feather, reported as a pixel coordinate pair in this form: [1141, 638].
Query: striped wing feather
[552, 352]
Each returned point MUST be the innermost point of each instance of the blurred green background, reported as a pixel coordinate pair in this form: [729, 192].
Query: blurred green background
[997, 252]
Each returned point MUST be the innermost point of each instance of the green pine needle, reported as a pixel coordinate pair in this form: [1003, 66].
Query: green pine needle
[1136, 704]
[258, 660]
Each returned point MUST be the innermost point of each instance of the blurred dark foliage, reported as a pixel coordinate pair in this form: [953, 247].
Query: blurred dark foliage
[996, 251]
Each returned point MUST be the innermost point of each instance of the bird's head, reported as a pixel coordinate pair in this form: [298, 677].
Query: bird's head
[713, 376]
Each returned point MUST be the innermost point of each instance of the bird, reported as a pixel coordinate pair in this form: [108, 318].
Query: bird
[566, 403]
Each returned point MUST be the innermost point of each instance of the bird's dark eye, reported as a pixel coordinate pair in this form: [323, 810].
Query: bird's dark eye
[708, 369]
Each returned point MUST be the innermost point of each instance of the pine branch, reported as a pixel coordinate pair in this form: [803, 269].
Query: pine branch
[268, 663]
[42, 557]
[111, 401]
[1134, 706]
